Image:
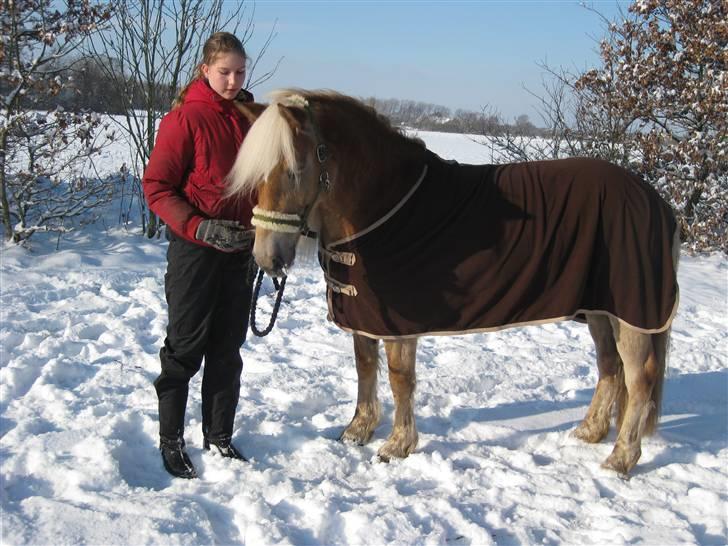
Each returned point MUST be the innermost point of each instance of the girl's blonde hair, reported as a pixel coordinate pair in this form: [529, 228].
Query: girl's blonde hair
[217, 44]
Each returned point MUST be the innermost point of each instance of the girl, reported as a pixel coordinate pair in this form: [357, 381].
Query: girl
[207, 284]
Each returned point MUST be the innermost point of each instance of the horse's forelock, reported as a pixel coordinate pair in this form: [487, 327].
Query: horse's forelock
[269, 142]
[289, 97]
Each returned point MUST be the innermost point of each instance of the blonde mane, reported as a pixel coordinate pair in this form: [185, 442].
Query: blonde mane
[268, 142]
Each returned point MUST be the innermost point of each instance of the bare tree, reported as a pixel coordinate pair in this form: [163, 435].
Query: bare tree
[42, 153]
[151, 49]
[576, 122]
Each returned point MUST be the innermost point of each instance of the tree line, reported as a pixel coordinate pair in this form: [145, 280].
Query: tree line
[90, 88]
[434, 117]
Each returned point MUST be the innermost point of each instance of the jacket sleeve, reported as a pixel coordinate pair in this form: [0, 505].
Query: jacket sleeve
[166, 173]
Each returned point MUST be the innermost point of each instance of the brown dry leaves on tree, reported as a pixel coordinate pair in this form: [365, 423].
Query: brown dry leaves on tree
[664, 75]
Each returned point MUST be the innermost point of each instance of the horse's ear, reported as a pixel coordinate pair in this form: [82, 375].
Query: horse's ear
[294, 116]
[251, 110]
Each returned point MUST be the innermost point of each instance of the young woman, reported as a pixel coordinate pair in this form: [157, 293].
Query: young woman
[207, 284]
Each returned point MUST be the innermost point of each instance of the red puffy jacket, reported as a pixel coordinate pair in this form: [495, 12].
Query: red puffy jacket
[195, 149]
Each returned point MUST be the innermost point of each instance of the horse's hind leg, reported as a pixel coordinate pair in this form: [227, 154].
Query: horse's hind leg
[642, 373]
[401, 362]
[595, 425]
[366, 416]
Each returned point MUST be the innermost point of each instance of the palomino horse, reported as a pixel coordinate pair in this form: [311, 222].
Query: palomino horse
[412, 245]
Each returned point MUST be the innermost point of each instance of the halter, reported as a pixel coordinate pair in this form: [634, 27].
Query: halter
[284, 222]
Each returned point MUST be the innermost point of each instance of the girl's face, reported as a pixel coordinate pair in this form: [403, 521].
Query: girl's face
[226, 74]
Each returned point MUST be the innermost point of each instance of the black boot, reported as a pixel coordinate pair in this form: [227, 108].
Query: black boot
[175, 459]
[223, 448]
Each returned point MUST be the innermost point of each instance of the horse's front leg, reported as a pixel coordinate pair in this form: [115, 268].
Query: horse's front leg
[401, 362]
[368, 410]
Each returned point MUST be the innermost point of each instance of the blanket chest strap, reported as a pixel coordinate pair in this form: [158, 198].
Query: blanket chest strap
[341, 288]
[344, 258]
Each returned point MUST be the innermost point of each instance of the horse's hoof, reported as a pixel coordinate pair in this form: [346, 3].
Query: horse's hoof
[351, 441]
[391, 450]
[620, 463]
[619, 469]
[357, 437]
[588, 434]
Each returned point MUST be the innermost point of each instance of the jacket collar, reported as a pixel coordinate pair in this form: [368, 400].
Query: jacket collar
[200, 91]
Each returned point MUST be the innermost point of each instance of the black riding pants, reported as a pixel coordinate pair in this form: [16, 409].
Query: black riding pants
[208, 297]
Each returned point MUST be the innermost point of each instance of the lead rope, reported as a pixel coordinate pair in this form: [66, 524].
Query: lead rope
[254, 302]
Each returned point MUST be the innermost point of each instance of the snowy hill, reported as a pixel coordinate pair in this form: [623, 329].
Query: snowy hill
[80, 331]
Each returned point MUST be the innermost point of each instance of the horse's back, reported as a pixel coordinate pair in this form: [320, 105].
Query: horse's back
[602, 229]
[582, 180]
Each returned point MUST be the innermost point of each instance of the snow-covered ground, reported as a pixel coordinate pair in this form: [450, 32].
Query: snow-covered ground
[80, 331]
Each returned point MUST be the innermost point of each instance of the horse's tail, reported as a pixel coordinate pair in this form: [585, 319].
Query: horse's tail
[621, 396]
[661, 346]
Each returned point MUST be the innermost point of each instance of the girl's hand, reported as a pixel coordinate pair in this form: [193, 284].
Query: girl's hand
[225, 235]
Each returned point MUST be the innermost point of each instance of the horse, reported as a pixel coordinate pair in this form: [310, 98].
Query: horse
[413, 245]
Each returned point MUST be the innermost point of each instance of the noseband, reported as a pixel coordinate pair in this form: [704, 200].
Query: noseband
[284, 222]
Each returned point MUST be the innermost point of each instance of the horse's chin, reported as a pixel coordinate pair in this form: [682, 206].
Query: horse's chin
[275, 255]
[275, 273]
[273, 268]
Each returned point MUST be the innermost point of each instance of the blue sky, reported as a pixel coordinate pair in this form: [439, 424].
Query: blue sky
[460, 54]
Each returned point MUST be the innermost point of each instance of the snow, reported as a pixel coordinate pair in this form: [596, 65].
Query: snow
[80, 331]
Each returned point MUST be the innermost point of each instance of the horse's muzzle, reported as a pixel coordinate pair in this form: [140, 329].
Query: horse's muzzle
[277, 268]
[274, 253]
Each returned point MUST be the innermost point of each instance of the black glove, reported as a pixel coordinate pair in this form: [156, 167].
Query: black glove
[226, 235]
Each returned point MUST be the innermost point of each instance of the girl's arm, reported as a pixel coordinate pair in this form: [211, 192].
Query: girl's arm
[166, 173]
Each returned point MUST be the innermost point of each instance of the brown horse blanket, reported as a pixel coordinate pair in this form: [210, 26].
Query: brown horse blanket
[483, 247]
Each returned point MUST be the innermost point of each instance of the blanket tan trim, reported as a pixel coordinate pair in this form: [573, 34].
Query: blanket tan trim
[663, 328]
[384, 218]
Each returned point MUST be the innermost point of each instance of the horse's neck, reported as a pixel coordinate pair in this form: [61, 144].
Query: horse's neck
[368, 188]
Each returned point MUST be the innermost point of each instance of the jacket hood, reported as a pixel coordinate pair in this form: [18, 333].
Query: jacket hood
[200, 91]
